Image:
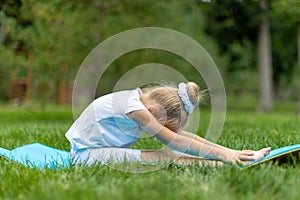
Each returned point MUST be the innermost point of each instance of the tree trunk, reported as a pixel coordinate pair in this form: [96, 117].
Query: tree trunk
[29, 76]
[62, 87]
[265, 61]
[298, 111]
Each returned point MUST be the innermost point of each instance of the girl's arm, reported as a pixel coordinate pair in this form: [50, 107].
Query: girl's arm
[200, 139]
[255, 155]
[192, 146]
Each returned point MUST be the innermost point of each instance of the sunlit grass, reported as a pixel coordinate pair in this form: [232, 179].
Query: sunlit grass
[242, 130]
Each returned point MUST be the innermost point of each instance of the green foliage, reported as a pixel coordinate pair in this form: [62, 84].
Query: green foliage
[58, 35]
[182, 16]
[284, 50]
[5, 82]
[245, 129]
[61, 33]
[286, 17]
[11, 7]
[289, 8]
[234, 25]
[231, 21]
[8, 62]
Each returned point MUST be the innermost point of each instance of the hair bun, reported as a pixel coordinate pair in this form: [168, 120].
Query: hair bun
[193, 92]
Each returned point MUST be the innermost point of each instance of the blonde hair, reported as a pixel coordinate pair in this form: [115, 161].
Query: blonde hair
[168, 101]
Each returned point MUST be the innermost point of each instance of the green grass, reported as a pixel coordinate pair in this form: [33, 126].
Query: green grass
[243, 129]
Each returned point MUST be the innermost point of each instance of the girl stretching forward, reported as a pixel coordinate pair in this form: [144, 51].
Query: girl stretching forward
[111, 123]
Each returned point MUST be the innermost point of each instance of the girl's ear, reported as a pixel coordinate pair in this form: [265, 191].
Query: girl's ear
[151, 109]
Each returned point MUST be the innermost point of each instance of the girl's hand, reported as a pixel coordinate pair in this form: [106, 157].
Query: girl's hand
[246, 156]
[257, 155]
[238, 158]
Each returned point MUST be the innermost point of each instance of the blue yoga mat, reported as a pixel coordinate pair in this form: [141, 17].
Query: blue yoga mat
[41, 156]
[277, 153]
[38, 156]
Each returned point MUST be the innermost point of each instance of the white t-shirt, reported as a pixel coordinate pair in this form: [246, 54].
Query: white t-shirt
[104, 123]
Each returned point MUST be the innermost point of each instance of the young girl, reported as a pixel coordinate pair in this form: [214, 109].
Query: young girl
[112, 123]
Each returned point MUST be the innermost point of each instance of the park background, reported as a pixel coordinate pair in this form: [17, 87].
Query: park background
[255, 44]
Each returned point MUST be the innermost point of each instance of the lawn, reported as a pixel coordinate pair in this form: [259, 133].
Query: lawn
[243, 129]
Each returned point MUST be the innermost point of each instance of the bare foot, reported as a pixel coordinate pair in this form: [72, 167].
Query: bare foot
[261, 153]
[255, 155]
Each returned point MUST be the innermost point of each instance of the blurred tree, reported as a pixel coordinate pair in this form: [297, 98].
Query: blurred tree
[265, 60]
[298, 111]
[60, 33]
[244, 23]
[183, 16]
[9, 9]
[58, 36]
[284, 55]
[291, 11]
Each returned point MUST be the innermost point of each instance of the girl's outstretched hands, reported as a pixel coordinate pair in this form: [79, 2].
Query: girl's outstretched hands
[243, 157]
[237, 158]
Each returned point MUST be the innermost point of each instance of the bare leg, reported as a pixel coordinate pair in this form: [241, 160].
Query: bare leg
[167, 156]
